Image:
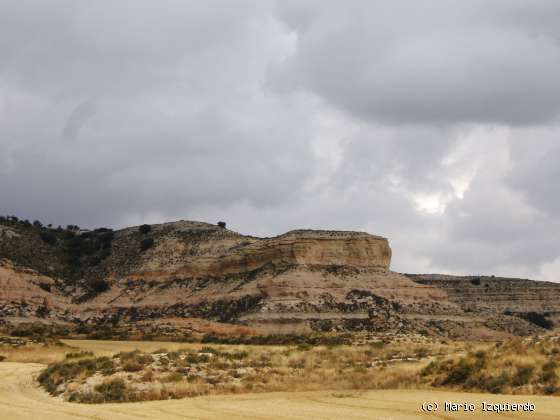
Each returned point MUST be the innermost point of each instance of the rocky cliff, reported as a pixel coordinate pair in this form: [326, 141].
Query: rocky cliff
[301, 281]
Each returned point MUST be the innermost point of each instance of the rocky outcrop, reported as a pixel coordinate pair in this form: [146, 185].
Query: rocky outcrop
[537, 302]
[26, 293]
[196, 249]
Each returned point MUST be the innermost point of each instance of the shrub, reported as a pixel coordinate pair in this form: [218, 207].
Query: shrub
[105, 238]
[548, 374]
[93, 261]
[207, 349]
[496, 384]
[523, 375]
[459, 373]
[551, 389]
[144, 229]
[146, 244]
[304, 347]
[431, 368]
[173, 377]
[42, 311]
[29, 330]
[58, 373]
[104, 253]
[99, 286]
[222, 224]
[475, 281]
[2, 358]
[537, 319]
[48, 238]
[132, 366]
[79, 354]
[422, 352]
[113, 391]
[134, 361]
[45, 286]
[236, 355]
[194, 359]
[148, 376]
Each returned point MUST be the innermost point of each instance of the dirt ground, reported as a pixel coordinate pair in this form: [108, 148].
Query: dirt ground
[21, 399]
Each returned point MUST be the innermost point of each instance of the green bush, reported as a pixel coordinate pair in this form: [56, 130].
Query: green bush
[193, 358]
[548, 374]
[114, 391]
[495, 384]
[537, 319]
[430, 369]
[48, 238]
[99, 286]
[522, 376]
[459, 373]
[80, 354]
[45, 286]
[57, 373]
[146, 244]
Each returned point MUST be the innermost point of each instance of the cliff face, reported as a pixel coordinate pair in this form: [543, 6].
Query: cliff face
[194, 249]
[526, 299]
[301, 281]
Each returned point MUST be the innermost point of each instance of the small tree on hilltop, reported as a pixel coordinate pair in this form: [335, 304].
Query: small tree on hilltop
[144, 229]
[222, 225]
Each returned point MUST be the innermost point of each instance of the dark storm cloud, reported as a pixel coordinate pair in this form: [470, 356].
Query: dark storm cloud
[174, 116]
[426, 61]
[434, 123]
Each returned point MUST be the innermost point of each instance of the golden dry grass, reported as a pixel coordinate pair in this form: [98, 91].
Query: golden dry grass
[110, 347]
[35, 353]
[260, 369]
[21, 399]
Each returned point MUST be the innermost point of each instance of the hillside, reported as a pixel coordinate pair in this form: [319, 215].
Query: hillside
[299, 282]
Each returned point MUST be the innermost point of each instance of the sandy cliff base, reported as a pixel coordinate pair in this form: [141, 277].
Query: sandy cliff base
[21, 399]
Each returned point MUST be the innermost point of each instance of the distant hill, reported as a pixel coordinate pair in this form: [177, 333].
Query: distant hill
[299, 282]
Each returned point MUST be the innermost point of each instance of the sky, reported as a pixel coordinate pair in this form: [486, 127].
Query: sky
[432, 123]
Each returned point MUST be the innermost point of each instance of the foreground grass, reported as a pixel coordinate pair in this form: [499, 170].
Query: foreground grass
[164, 374]
[20, 399]
[519, 366]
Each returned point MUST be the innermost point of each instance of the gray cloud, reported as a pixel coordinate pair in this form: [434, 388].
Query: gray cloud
[76, 119]
[433, 123]
[415, 63]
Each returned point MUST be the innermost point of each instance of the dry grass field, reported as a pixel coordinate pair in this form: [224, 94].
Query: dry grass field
[22, 398]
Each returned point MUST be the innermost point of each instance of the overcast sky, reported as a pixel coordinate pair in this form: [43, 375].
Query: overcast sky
[433, 123]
